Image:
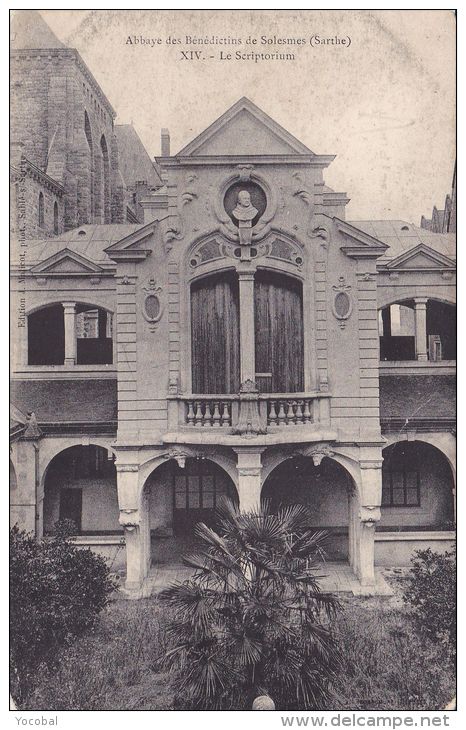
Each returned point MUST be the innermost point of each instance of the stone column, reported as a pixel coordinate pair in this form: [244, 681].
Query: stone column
[249, 466]
[69, 311]
[246, 323]
[420, 321]
[365, 513]
[134, 518]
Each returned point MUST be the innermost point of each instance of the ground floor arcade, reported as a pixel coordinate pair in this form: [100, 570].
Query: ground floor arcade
[139, 507]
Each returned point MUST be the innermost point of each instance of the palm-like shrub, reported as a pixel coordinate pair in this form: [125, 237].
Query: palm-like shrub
[252, 619]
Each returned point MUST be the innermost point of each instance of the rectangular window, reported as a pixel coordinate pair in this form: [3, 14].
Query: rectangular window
[401, 489]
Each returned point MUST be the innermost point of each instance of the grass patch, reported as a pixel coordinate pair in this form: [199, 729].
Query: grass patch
[116, 666]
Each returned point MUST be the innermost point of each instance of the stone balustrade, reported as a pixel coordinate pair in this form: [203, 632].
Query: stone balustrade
[273, 411]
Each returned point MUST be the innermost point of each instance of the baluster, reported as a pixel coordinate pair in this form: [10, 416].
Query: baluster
[216, 416]
[207, 413]
[281, 413]
[272, 413]
[299, 411]
[197, 413]
[227, 413]
[307, 412]
[190, 416]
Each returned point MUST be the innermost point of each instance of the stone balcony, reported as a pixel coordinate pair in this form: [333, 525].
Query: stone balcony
[249, 413]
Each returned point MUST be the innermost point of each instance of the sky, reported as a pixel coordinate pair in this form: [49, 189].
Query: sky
[384, 103]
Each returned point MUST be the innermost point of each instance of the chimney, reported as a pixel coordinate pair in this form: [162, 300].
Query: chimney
[165, 143]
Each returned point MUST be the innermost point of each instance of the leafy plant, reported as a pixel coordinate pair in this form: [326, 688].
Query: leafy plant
[252, 620]
[57, 591]
[431, 593]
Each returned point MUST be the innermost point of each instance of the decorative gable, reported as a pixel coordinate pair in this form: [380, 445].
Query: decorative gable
[134, 246]
[357, 243]
[244, 129]
[67, 263]
[421, 258]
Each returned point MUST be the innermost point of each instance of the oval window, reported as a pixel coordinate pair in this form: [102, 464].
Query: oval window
[342, 304]
[152, 306]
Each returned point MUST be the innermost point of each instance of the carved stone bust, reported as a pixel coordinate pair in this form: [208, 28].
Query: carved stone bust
[244, 211]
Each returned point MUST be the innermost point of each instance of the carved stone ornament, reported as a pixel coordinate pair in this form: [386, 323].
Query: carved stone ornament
[369, 515]
[342, 305]
[152, 307]
[249, 421]
[32, 431]
[299, 189]
[317, 453]
[172, 230]
[321, 232]
[129, 519]
[179, 456]
[191, 191]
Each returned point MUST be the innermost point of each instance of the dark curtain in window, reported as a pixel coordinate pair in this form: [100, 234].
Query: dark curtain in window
[278, 315]
[215, 334]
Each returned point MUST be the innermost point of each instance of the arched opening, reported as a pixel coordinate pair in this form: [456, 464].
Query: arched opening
[94, 336]
[397, 330]
[88, 133]
[179, 498]
[441, 330]
[324, 489]
[41, 210]
[56, 229]
[80, 485]
[105, 181]
[417, 488]
[93, 331]
[46, 336]
[279, 339]
[215, 334]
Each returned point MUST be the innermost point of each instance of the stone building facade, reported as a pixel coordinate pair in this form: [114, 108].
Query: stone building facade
[65, 157]
[246, 341]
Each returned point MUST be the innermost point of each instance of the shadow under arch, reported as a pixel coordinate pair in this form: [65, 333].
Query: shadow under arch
[418, 487]
[178, 497]
[325, 489]
[79, 483]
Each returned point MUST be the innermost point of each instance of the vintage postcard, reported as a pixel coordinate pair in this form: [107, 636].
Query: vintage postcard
[233, 361]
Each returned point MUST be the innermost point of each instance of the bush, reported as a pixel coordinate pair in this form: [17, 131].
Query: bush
[252, 620]
[431, 593]
[385, 663]
[56, 592]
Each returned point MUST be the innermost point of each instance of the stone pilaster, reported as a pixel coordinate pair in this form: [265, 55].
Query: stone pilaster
[249, 466]
[364, 515]
[420, 322]
[134, 517]
[69, 311]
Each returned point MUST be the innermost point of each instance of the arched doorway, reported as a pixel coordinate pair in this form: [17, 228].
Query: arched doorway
[178, 498]
[417, 488]
[80, 485]
[324, 489]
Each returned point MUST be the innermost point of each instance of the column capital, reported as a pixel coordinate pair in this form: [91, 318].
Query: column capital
[71, 306]
[420, 301]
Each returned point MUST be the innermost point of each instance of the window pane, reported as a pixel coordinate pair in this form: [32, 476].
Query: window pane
[193, 492]
[397, 480]
[385, 496]
[398, 496]
[412, 497]
[208, 500]
[180, 500]
[411, 480]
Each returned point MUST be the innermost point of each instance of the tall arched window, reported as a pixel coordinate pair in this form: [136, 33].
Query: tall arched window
[88, 133]
[105, 181]
[41, 210]
[215, 334]
[278, 315]
[55, 218]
